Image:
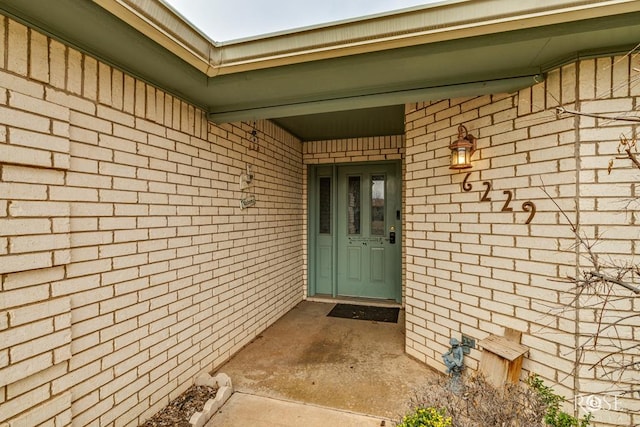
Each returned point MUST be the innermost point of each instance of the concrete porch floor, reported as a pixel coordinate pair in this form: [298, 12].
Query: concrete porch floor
[353, 366]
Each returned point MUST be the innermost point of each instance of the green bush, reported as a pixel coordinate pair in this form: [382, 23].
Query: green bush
[426, 417]
[554, 417]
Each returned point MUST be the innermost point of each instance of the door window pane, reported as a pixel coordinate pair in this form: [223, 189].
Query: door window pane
[353, 205]
[377, 205]
[325, 206]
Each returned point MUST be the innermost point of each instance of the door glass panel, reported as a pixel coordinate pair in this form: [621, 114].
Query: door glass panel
[325, 206]
[353, 205]
[377, 205]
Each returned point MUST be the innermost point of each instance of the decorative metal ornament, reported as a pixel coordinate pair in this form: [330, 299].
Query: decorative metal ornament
[254, 143]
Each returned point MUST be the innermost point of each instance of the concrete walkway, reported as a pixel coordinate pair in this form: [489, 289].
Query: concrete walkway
[258, 411]
[351, 366]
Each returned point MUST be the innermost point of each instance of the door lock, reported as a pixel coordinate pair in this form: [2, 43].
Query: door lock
[392, 235]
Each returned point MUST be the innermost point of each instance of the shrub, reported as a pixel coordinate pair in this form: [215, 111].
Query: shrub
[476, 403]
[426, 417]
[554, 416]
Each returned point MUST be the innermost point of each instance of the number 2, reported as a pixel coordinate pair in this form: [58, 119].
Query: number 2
[505, 207]
[485, 196]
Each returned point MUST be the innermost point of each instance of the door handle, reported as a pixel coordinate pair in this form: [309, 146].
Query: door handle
[392, 235]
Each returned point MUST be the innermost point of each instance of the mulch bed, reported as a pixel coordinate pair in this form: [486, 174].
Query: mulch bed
[180, 410]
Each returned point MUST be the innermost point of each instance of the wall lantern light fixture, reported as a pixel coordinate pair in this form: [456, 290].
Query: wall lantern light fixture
[462, 149]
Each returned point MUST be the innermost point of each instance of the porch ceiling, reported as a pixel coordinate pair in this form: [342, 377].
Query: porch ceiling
[342, 96]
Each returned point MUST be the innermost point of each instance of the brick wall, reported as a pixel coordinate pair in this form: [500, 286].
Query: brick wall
[608, 220]
[373, 149]
[473, 268]
[126, 265]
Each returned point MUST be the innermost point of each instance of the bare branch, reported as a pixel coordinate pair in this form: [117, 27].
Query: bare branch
[562, 110]
[609, 279]
[632, 157]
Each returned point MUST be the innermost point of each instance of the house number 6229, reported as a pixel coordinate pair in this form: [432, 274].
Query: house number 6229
[527, 206]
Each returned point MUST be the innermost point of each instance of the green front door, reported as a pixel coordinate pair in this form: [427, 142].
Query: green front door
[368, 231]
[355, 231]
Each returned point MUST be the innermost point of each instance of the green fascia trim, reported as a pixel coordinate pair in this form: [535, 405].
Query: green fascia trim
[88, 28]
[506, 85]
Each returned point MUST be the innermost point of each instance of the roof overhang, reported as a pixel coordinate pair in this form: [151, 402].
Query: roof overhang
[349, 70]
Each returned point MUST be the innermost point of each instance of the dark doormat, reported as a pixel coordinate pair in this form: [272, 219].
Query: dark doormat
[365, 312]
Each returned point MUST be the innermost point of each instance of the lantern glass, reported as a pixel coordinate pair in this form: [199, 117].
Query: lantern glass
[460, 158]
[462, 149]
